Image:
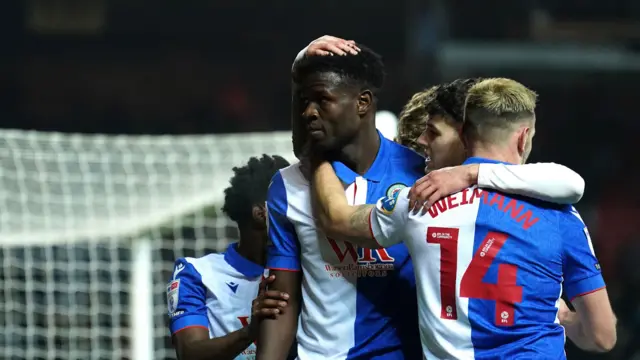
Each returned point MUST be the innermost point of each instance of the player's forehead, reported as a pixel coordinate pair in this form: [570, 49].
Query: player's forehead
[439, 122]
[330, 81]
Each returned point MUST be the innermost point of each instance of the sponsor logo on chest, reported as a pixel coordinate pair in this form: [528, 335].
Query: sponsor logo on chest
[353, 262]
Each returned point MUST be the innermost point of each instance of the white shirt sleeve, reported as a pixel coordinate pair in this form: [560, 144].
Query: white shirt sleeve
[389, 217]
[544, 181]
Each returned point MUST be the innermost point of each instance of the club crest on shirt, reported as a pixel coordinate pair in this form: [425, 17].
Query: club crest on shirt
[395, 188]
[173, 290]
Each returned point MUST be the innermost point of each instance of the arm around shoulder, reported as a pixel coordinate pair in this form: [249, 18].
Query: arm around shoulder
[544, 181]
[334, 215]
[389, 217]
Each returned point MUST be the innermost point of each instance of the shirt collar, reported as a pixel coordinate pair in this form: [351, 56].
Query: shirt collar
[242, 265]
[375, 172]
[480, 160]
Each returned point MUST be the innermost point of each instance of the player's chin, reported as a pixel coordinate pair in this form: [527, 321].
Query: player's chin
[322, 144]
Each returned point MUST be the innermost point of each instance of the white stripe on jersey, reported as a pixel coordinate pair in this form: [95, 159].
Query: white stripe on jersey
[447, 338]
[323, 329]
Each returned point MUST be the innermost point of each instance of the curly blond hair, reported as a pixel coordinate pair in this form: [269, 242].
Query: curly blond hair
[413, 118]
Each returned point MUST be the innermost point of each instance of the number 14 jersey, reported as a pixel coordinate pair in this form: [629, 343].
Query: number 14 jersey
[489, 271]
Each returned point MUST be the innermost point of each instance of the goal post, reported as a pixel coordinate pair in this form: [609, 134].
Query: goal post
[90, 226]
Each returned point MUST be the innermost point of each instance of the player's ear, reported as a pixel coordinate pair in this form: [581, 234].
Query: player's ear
[365, 101]
[523, 139]
[259, 214]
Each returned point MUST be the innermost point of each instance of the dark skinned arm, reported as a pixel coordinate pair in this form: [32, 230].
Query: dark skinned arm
[194, 344]
[276, 335]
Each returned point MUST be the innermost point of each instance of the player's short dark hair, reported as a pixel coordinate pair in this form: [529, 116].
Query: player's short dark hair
[365, 70]
[249, 186]
[450, 99]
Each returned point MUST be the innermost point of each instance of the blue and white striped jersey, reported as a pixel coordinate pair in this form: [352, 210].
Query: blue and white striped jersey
[357, 304]
[490, 270]
[214, 292]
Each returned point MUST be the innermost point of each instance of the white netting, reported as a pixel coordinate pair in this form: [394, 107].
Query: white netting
[72, 207]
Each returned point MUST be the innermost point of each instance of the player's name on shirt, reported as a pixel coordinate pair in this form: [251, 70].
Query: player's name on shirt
[512, 207]
[491, 271]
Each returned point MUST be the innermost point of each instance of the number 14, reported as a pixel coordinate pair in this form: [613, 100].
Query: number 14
[505, 292]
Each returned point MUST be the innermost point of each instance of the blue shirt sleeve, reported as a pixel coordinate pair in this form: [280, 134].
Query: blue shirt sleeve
[581, 270]
[186, 298]
[283, 251]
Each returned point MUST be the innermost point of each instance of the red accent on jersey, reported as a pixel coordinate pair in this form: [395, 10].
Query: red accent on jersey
[505, 292]
[448, 240]
[279, 269]
[244, 320]
[352, 252]
[587, 293]
[342, 254]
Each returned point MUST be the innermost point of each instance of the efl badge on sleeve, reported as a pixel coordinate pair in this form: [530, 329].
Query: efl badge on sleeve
[389, 203]
[395, 188]
[172, 295]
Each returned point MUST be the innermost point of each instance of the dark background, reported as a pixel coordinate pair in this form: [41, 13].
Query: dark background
[205, 66]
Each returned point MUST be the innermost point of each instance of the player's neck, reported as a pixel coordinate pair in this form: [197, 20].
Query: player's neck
[360, 154]
[495, 153]
[249, 246]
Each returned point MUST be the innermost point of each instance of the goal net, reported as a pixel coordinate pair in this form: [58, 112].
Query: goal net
[90, 227]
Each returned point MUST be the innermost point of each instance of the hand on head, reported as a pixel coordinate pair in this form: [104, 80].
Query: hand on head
[328, 45]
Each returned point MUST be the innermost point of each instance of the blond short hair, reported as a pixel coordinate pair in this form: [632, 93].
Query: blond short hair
[413, 118]
[501, 95]
[497, 104]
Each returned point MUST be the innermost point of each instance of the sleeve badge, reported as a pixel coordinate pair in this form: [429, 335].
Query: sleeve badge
[173, 290]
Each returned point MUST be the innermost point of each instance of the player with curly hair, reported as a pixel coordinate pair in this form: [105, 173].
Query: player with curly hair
[445, 113]
[211, 312]
[413, 119]
[433, 112]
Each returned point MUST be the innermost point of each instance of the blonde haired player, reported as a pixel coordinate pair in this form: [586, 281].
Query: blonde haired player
[489, 267]
[494, 108]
